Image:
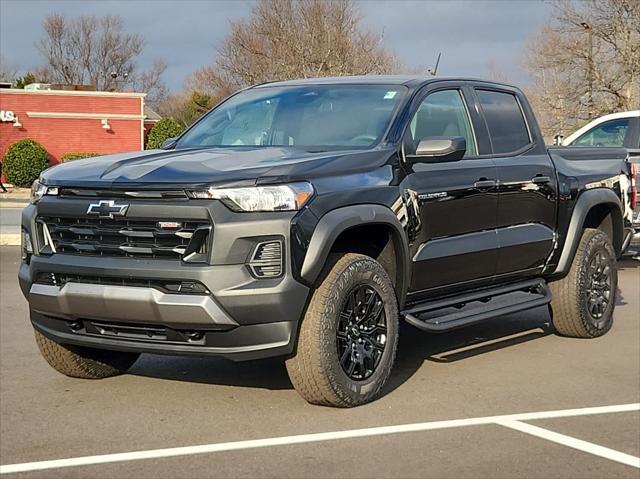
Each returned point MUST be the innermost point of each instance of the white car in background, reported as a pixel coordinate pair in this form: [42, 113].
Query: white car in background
[617, 129]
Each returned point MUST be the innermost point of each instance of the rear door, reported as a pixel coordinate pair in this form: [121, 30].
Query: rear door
[453, 239]
[527, 186]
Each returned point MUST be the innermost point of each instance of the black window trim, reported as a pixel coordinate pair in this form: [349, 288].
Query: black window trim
[520, 151]
[633, 135]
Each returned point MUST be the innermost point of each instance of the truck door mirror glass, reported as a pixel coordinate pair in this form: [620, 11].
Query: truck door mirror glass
[439, 149]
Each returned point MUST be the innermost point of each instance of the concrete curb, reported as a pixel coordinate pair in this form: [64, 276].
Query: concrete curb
[10, 239]
[18, 203]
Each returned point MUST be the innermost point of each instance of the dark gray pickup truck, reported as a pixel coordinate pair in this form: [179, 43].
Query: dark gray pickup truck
[306, 219]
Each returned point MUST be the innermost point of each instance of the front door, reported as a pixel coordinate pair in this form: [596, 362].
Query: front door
[453, 238]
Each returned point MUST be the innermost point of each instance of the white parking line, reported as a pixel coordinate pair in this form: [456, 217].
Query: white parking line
[307, 438]
[569, 441]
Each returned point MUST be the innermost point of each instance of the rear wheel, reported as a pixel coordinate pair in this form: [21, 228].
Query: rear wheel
[583, 301]
[349, 335]
[81, 362]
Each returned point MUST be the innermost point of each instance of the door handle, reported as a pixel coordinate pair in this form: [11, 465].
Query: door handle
[484, 183]
[539, 180]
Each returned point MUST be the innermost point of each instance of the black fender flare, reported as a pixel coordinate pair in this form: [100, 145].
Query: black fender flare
[335, 222]
[586, 201]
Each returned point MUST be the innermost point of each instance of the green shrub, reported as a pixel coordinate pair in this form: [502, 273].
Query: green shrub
[77, 155]
[24, 162]
[163, 130]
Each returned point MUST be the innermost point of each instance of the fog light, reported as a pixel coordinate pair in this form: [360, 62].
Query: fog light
[27, 246]
[266, 260]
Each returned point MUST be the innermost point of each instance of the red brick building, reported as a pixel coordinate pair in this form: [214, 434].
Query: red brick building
[72, 121]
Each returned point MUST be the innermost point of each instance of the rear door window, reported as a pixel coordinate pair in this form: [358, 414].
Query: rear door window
[505, 120]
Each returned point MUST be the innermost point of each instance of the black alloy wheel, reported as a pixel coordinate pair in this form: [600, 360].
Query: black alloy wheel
[583, 301]
[361, 332]
[598, 286]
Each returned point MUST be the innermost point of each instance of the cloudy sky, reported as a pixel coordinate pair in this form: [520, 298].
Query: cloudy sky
[185, 34]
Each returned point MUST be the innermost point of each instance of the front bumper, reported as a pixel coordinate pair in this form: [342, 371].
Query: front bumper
[239, 316]
[242, 343]
[242, 318]
[129, 305]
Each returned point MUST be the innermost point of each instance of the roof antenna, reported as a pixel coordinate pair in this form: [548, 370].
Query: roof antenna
[434, 71]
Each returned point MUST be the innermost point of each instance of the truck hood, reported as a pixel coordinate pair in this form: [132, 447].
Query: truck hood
[210, 166]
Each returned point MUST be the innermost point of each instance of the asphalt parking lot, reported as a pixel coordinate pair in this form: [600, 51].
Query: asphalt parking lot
[506, 398]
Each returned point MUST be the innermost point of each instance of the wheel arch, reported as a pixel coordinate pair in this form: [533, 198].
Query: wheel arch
[337, 230]
[597, 208]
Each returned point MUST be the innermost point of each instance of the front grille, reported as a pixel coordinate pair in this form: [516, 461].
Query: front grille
[127, 237]
[127, 331]
[92, 193]
[138, 332]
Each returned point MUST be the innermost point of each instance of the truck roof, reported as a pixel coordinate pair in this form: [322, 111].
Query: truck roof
[408, 80]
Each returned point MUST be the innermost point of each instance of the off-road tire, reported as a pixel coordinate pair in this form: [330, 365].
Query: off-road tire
[315, 370]
[81, 362]
[569, 311]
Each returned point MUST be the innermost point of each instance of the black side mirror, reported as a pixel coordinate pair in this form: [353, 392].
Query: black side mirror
[439, 149]
[169, 143]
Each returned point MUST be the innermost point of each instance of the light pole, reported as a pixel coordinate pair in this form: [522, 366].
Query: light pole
[589, 31]
[115, 78]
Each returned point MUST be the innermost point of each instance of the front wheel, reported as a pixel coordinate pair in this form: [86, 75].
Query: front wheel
[349, 335]
[583, 301]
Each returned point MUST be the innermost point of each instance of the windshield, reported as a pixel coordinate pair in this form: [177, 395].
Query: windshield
[314, 116]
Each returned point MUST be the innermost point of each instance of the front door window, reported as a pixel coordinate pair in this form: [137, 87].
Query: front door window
[443, 114]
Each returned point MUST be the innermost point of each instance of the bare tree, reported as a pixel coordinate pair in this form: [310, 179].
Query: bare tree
[585, 63]
[8, 72]
[495, 73]
[96, 51]
[150, 81]
[185, 108]
[285, 39]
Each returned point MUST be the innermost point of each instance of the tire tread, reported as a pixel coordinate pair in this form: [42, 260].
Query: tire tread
[569, 317]
[306, 369]
[81, 362]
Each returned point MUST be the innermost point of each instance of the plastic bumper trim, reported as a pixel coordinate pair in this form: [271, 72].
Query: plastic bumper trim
[128, 304]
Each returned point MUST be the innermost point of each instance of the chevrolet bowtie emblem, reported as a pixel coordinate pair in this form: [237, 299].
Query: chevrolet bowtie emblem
[107, 209]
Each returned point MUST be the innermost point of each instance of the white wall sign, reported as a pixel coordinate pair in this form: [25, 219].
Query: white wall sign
[7, 115]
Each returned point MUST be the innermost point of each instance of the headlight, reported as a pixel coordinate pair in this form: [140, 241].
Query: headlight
[288, 197]
[38, 190]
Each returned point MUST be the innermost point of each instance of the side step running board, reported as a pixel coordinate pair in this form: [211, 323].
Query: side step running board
[494, 302]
